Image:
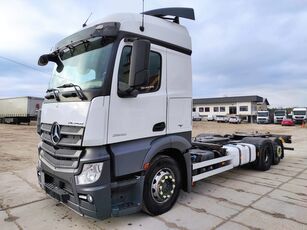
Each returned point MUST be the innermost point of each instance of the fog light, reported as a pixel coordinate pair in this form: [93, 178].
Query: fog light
[90, 198]
[83, 197]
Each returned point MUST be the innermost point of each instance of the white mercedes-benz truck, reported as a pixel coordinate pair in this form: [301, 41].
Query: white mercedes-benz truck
[299, 115]
[115, 125]
[279, 115]
[263, 117]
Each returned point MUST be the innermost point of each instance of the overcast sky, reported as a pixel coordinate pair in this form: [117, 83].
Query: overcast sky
[240, 47]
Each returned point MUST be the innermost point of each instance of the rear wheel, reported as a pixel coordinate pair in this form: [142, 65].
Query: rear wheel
[162, 185]
[265, 151]
[265, 157]
[278, 152]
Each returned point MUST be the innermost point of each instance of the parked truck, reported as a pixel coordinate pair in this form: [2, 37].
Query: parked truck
[299, 115]
[263, 117]
[116, 123]
[19, 109]
[279, 115]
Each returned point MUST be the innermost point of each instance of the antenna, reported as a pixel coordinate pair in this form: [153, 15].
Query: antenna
[84, 24]
[142, 26]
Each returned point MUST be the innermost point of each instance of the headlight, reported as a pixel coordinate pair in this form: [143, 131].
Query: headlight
[90, 173]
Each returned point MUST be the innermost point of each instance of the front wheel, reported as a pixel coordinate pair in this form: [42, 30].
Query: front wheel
[162, 185]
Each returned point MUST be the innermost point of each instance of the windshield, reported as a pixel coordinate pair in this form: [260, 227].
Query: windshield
[263, 114]
[84, 65]
[280, 113]
[299, 112]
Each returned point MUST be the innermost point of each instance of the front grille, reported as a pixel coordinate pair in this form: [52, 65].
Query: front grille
[70, 135]
[61, 158]
[67, 152]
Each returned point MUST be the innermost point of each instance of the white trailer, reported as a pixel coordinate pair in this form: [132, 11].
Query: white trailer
[19, 109]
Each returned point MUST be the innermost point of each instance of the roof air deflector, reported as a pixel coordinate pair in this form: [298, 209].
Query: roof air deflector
[177, 12]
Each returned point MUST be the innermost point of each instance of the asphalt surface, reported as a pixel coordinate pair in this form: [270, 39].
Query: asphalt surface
[238, 199]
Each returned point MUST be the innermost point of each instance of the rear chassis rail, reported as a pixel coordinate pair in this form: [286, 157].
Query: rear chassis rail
[237, 136]
[223, 160]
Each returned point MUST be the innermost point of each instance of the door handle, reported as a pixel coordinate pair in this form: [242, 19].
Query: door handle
[158, 127]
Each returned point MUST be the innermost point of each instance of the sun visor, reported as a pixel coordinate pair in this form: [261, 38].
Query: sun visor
[108, 29]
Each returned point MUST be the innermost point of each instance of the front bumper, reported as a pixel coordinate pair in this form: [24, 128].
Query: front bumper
[278, 121]
[263, 122]
[299, 120]
[60, 184]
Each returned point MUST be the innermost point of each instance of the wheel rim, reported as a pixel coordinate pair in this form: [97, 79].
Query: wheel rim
[267, 152]
[163, 185]
[279, 151]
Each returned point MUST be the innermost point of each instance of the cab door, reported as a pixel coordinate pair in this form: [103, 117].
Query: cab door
[143, 116]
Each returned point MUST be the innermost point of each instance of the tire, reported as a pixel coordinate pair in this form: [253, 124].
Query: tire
[265, 159]
[278, 151]
[265, 151]
[162, 185]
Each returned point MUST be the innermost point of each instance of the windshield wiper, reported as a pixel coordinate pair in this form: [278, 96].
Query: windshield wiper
[52, 93]
[77, 88]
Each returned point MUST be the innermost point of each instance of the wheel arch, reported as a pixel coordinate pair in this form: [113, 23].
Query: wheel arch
[175, 147]
[183, 165]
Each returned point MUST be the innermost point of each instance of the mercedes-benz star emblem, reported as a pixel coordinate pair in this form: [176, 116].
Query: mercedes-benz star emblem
[55, 133]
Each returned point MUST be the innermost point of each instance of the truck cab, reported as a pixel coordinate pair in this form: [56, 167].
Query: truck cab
[279, 115]
[263, 117]
[299, 115]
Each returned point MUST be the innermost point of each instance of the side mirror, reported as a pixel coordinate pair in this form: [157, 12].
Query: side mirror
[139, 71]
[44, 59]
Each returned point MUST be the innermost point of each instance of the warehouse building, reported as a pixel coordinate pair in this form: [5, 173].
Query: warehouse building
[244, 106]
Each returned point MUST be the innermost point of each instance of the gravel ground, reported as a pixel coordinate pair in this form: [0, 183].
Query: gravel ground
[238, 199]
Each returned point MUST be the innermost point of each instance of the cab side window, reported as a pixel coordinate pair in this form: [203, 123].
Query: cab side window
[154, 72]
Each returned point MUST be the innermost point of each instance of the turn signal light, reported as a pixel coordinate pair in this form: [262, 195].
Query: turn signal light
[146, 166]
